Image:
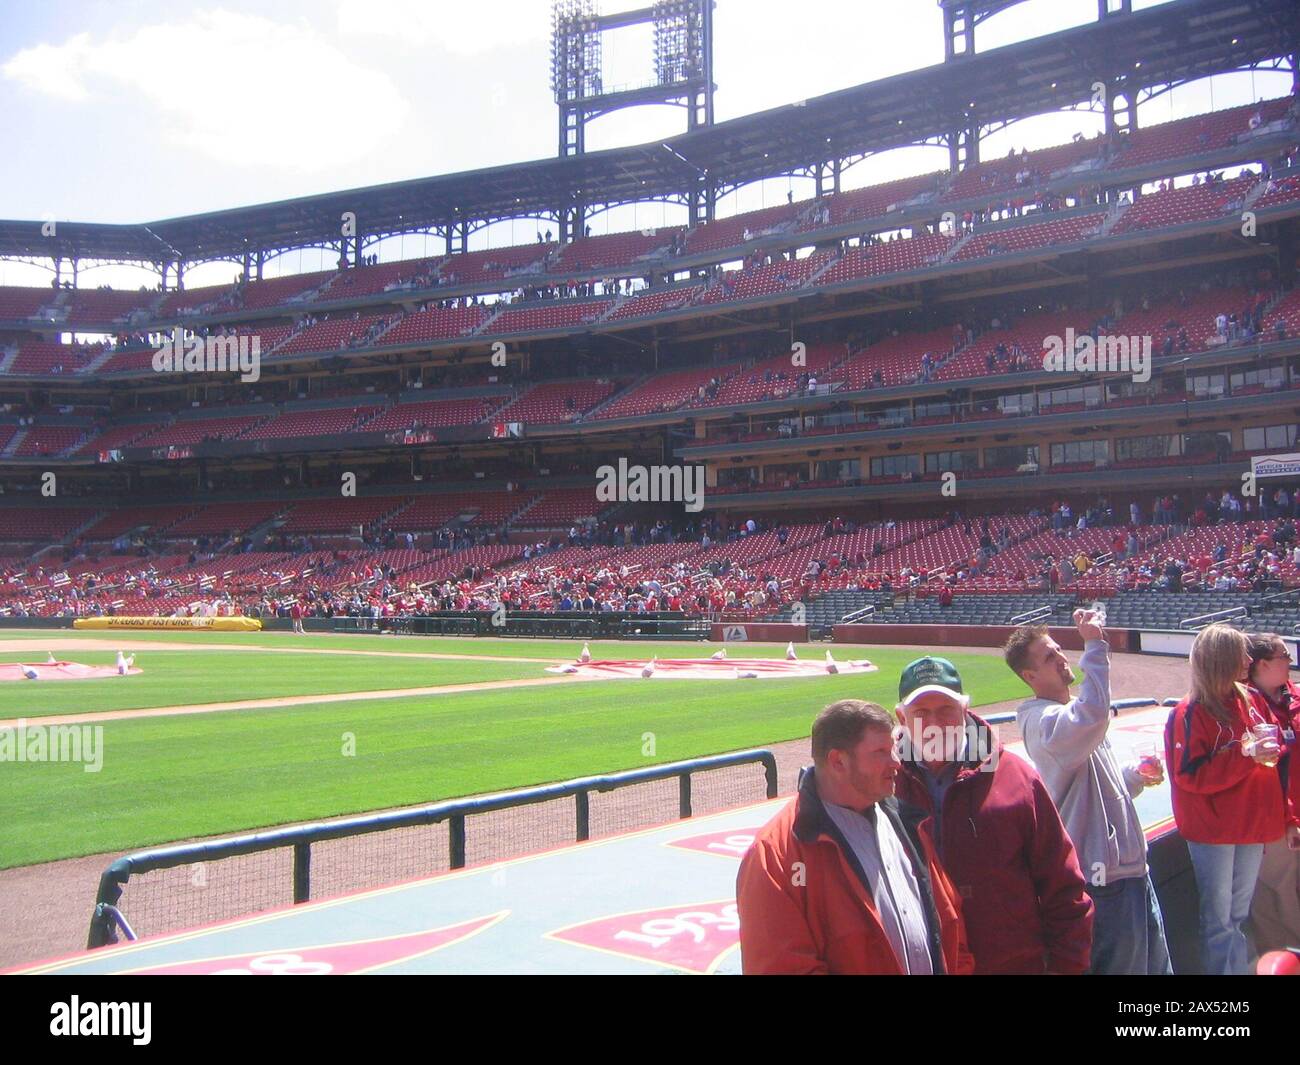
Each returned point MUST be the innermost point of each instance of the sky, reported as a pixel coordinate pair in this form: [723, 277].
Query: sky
[131, 111]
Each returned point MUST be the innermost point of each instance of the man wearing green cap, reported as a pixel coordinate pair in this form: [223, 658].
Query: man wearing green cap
[997, 831]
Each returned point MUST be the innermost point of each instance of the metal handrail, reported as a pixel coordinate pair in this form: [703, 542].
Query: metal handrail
[866, 611]
[1202, 620]
[454, 812]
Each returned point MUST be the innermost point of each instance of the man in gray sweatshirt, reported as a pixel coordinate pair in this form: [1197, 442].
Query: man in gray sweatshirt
[1066, 739]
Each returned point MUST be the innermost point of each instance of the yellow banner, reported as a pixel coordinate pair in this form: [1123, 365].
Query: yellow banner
[208, 624]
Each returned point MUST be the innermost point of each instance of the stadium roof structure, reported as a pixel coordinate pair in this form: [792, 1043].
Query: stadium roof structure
[1137, 54]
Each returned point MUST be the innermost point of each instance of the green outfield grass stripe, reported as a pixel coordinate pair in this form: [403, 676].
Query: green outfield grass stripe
[173, 778]
[179, 677]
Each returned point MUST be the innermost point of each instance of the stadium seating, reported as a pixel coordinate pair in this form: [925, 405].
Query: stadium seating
[49, 440]
[996, 178]
[873, 201]
[19, 303]
[49, 357]
[429, 512]
[1287, 311]
[368, 280]
[538, 316]
[493, 264]
[194, 431]
[891, 257]
[116, 437]
[657, 301]
[435, 413]
[665, 392]
[312, 422]
[193, 300]
[1280, 191]
[1196, 135]
[343, 515]
[1029, 333]
[615, 249]
[898, 358]
[222, 519]
[1047, 233]
[495, 508]
[1196, 316]
[270, 292]
[1178, 206]
[96, 306]
[740, 228]
[557, 401]
[437, 324]
[754, 385]
[332, 334]
[41, 524]
[561, 507]
[156, 520]
[780, 275]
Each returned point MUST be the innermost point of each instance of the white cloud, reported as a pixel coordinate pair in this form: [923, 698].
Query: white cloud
[243, 89]
[467, 29]
[52, 70]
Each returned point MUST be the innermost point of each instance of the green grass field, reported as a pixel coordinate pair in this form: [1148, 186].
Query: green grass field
[169, 778]
[181, 677]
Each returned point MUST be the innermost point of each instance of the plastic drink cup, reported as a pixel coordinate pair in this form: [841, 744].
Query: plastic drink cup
[1149, 765]
[1261, 732]
[1267, 733]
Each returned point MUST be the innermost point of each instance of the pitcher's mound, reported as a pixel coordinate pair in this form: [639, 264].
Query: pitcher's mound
[58, 671]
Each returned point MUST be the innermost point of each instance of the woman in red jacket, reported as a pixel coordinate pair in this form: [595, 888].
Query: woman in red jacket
[1275, 912]
[1227, 797]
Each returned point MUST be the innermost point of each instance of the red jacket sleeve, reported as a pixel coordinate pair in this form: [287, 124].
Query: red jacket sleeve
[774, 936]
[1201, 752]
[1064, 907]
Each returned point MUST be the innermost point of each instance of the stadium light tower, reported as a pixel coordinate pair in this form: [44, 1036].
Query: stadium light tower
[683, 63]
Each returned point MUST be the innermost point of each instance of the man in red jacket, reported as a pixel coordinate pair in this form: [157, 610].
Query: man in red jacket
[840, 881]
[997, 831]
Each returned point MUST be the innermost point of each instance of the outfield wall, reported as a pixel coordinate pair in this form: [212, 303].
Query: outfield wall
[1180, 644]
[751, 632]
[968, 635]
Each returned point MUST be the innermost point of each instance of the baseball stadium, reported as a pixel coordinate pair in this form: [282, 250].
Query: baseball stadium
[789, 409]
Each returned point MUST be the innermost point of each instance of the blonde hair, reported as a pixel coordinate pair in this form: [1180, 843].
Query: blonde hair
[1216, 658]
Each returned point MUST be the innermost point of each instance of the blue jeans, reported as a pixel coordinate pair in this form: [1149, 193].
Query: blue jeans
[1225, 879]
[1128, 934]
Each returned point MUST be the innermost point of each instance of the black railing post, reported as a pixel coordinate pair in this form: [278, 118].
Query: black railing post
[769, 770]
[301, 872]
[684, 795]
[456, 826]
[582, 806]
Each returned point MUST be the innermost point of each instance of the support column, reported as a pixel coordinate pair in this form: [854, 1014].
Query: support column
[1121, 108]
[963, 147]
[959, 32]
[572, 221]
[703, 200]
